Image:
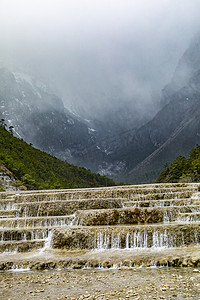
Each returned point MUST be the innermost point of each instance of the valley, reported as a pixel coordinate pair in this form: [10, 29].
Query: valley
[99, 150]
[122, 145]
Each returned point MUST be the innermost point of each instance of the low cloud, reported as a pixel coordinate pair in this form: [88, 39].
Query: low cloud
[97, 54]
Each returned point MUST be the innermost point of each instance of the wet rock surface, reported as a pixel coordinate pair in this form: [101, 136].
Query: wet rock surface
[65, 207]
[83, 259]
[126, 221]
[124, 217]
[122, 237]
[120, 216]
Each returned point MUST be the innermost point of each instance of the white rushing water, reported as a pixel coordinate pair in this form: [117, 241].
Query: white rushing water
[17, 268]
[47, 244]
[137, 240]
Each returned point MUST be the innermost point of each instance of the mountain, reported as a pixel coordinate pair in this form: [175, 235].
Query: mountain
[123, 145]
[38, 170]
[40, 118]
[174, 130]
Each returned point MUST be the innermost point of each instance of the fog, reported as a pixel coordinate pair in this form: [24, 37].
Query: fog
[98, 55]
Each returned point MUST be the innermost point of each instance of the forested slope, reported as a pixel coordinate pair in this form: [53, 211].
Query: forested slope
[183, 169]
[38, 170]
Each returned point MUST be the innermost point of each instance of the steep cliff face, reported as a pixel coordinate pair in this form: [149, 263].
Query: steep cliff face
[40, 118]
[176, 127]
[188, 65]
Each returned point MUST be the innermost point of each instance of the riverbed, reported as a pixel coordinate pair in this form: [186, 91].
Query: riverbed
[124, 283]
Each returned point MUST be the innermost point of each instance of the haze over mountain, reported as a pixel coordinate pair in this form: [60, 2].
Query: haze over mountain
[84, 78]
[175, 129]
[98, 55]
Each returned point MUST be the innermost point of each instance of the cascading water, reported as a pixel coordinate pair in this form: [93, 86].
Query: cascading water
[116, 241]
[74, 220]
[23, 222]
[48, 242]
[7, 206]
[101, 241]
[163, 240]
[136, 240]
[165, 217]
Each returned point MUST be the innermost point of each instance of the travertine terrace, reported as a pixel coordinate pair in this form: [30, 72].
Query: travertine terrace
[101, 227]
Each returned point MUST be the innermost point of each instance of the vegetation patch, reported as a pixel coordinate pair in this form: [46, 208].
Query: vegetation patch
[183, 169]
[38, 170]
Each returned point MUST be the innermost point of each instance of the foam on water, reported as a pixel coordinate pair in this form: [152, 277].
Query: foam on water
[16, 268]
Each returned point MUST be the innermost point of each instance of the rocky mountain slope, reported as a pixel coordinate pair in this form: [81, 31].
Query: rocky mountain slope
[40, 118]
[174, 130]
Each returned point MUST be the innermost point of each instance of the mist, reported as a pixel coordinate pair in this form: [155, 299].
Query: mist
[98, 56]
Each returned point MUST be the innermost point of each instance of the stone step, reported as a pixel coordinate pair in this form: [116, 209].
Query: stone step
[5, 217]
[129, 261]
[159, 196]
[7, 213]
[7, 195]
[68, 207]
[162, 202]
[140, 186]
[122, 216]
[124, 191]
[188, 217]
[132, 216]
[61, 196]
[126, 237]
[23, 234]
[39, 200]
[36, 222]
[20, 246]
[117, 192]
[63, 208]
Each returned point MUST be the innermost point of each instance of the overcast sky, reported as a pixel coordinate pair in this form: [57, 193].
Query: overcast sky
[95, 52]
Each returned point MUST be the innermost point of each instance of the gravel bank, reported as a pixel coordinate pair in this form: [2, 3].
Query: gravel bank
[142, 283]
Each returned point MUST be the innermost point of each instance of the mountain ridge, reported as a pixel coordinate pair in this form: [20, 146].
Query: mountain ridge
[173, 131]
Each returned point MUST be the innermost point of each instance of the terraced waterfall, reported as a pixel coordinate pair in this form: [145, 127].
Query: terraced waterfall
[103, 227]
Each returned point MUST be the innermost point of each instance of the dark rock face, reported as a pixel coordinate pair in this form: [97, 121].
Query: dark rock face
[40, 118]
